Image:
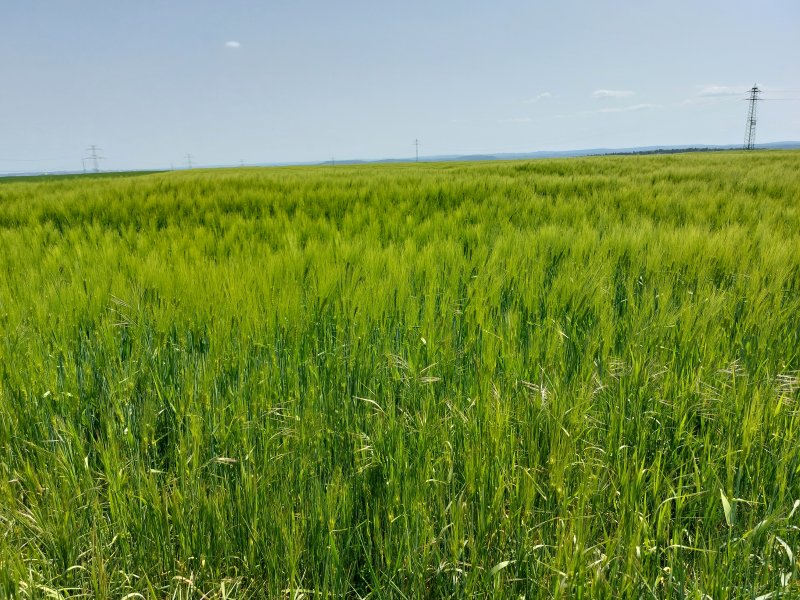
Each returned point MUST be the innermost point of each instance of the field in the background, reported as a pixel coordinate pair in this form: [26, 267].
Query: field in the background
[569, 379]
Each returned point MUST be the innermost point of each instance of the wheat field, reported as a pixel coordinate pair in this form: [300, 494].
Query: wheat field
[547, 379]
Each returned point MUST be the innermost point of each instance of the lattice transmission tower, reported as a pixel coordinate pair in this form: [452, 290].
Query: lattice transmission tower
[750, 129]
[94, 157]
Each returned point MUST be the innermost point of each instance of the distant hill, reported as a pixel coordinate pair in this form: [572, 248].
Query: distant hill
[571, 153]
[602, 151]
[462, 157]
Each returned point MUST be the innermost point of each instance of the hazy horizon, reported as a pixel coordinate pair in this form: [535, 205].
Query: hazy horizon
[306, 81]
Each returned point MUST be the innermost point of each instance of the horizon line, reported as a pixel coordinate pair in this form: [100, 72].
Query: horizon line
[433, 158]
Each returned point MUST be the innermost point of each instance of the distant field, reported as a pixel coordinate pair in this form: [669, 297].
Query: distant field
[569, 378]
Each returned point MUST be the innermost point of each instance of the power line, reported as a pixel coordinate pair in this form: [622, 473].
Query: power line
[189, 160]
[416, 148]
[35, 159]
[750, 129]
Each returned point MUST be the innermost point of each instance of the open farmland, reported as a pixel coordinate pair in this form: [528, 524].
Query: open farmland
[571, 378]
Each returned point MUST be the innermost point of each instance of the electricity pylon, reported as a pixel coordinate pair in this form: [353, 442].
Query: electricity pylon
[750, 128]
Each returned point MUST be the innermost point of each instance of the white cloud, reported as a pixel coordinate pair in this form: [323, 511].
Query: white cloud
[611, 94]
[713, 94]
[516, 120]
[721, 90]
[538, 97]
[631, 108]
[232, 44]
[613, 110]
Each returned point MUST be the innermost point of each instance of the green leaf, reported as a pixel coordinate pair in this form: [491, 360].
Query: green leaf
[500, 566]
[726, 506]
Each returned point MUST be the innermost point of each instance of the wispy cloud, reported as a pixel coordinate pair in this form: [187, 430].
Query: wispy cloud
[516, 120]
[712, 94]
[538, 97]
[707, 91]
[616, 109]
[233, 44]
[611, 94]
[699, 100]
[631, 108]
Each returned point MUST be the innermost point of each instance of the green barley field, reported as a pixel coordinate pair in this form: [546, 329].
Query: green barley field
[552, 379]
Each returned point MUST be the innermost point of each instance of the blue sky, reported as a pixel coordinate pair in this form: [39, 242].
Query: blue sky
[279, 80]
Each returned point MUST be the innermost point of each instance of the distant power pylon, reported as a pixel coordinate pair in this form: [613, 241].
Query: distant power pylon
[189, 161]
[416, 149]
[93, 156]
[750, 128]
